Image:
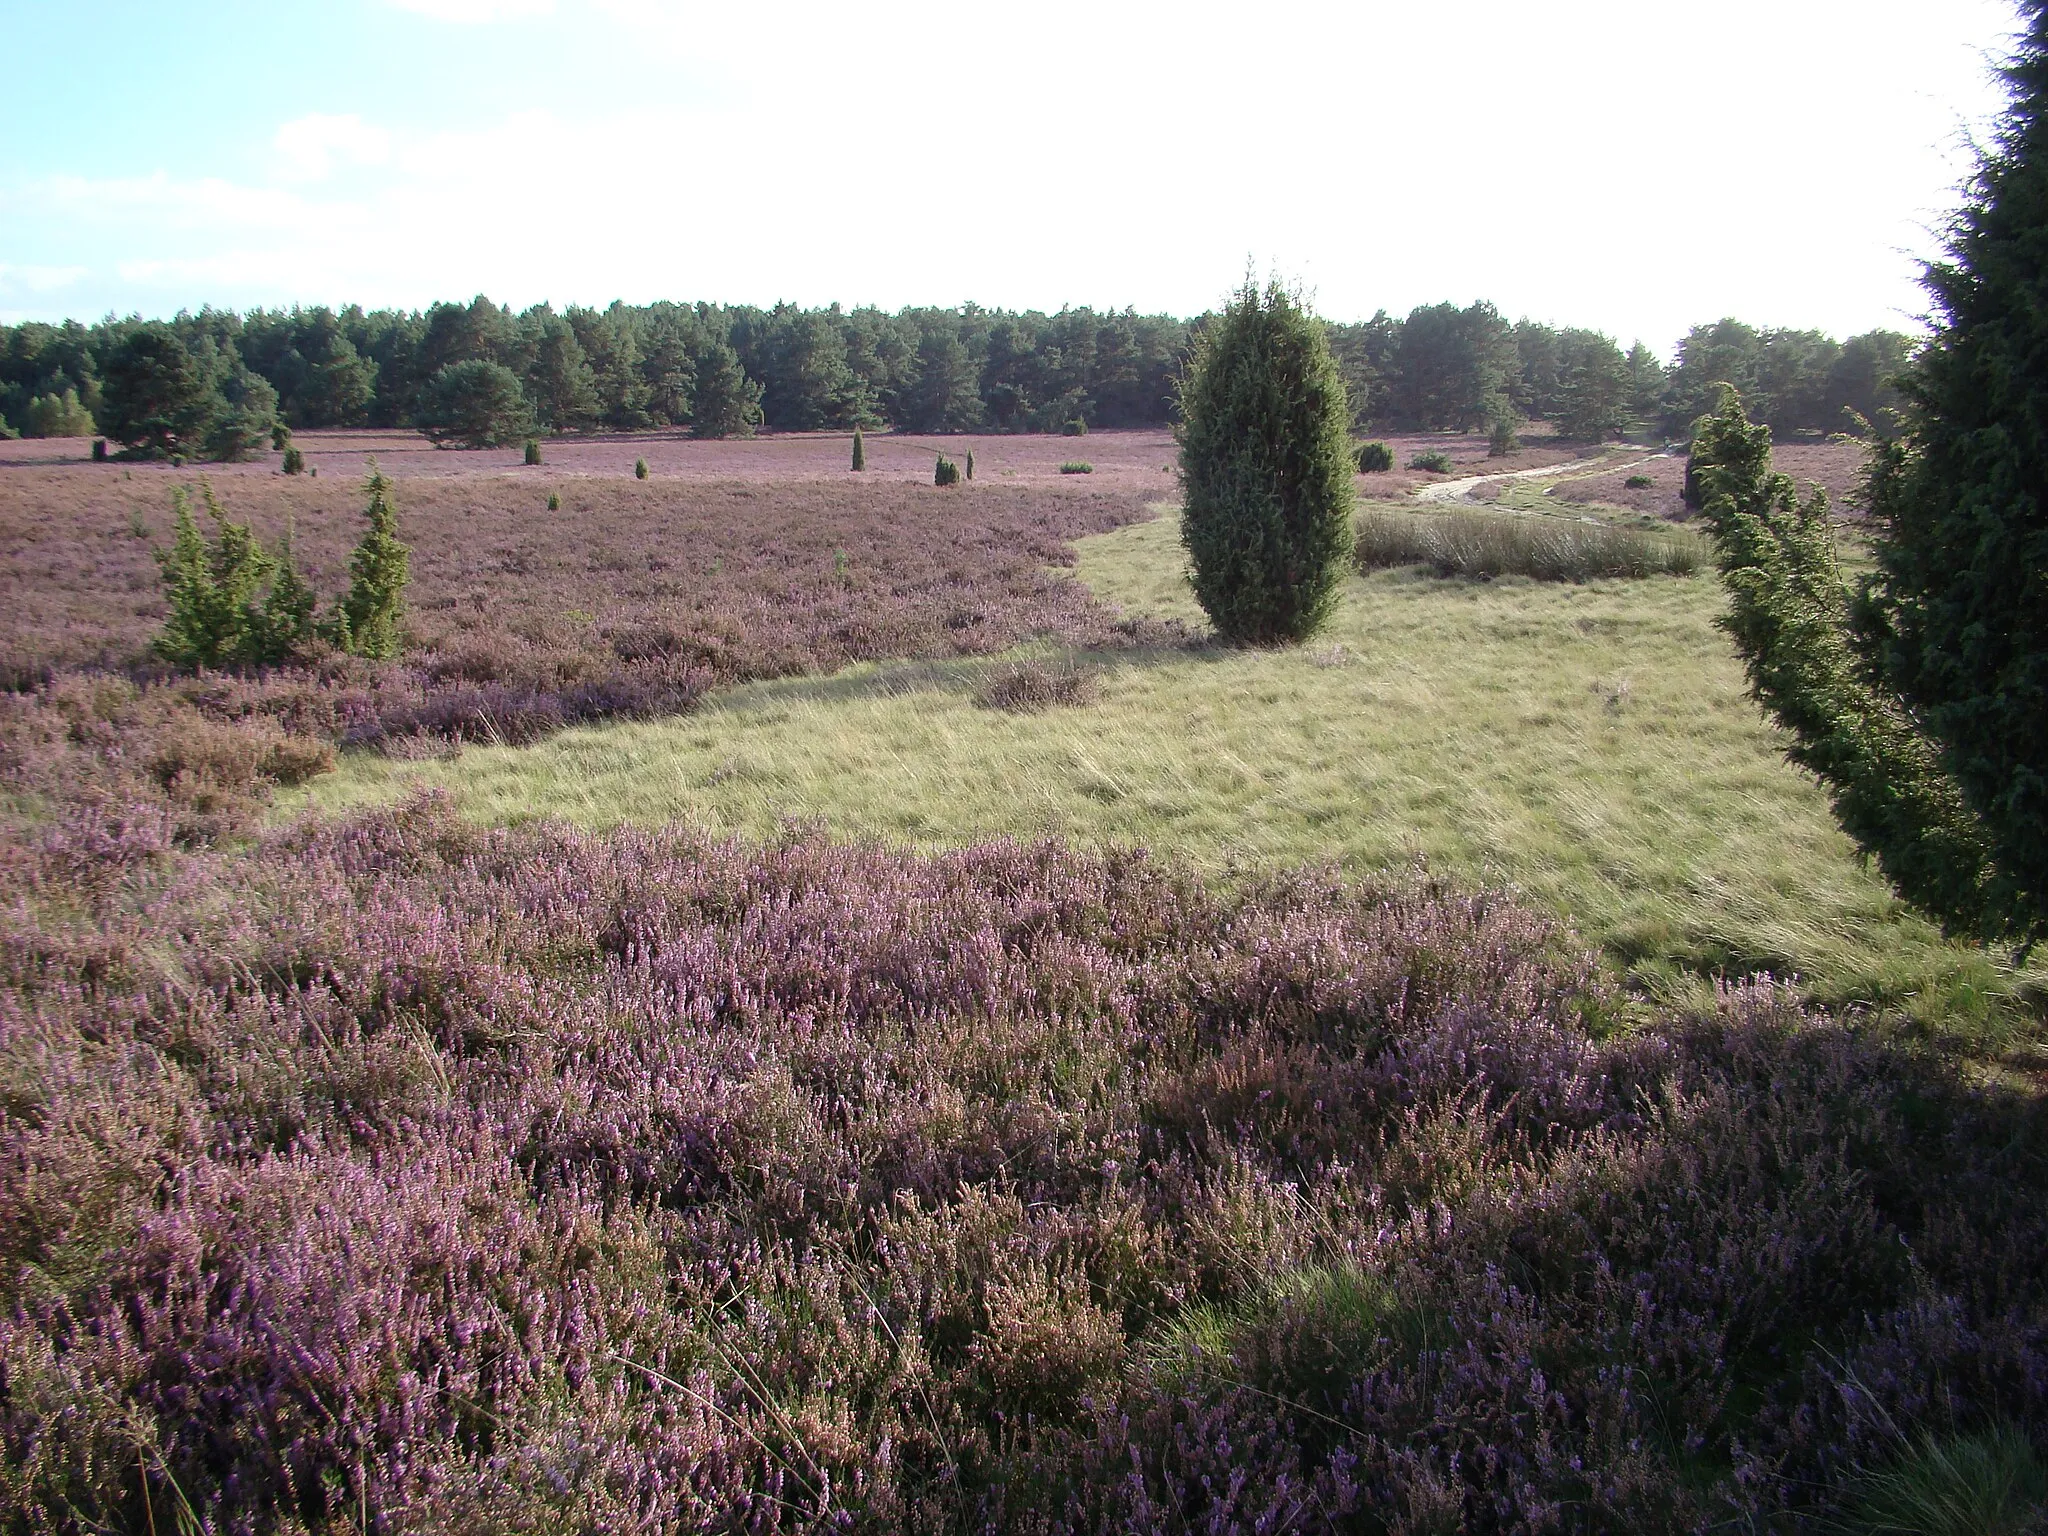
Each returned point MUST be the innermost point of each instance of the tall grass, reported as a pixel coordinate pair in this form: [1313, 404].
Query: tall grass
[1497, 544]
[1988, 1484]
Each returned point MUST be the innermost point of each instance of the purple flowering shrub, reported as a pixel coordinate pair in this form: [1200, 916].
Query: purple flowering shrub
[393, 1174]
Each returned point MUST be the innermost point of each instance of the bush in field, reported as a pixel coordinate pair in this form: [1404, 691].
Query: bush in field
[970, 463]
[639, 469]
[476, 403]
[945, 472]
[1265, 469]
[231, 603]
[1074, 427]
[1431, 460]
[1488, 544]
[1077, 467]
[99, 450]
[280, 436]
[1503, 440]
[554, 501]
[55, 415]
[1637, 483]
[367, 620]
[532, 451]
[294, 462]
[1375, 458]
[155, 398]
[860, 452]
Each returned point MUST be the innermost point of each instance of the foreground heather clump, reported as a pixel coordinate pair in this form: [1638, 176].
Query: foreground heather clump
[395, 1174]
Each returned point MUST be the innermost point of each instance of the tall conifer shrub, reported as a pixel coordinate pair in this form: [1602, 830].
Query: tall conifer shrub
[369, 617]
[1922, 702]
[1266, 465]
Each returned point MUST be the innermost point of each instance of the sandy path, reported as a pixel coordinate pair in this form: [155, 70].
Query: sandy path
[1461, 490]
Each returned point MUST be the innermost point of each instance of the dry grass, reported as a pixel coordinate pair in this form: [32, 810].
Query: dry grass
[1592, 744]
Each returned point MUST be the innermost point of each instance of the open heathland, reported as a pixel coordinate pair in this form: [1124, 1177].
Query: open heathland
[1592, 743]
[731, 562]
[367, 1166]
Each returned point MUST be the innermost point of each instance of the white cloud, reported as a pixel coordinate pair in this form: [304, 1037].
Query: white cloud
[940, 153]
[309, 145]
[38, 280]
[471, 12]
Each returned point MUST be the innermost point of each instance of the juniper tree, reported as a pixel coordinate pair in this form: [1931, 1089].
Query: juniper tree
[1266, 468]
[367, 621]
[1923, 703]
[860, 453]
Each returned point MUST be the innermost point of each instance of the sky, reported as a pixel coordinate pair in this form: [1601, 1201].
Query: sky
[1637, 166]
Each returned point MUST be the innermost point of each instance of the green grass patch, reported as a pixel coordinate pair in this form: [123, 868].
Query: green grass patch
[1591, 744]
[1490, 544]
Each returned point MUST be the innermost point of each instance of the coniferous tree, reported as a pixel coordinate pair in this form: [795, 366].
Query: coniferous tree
[156, 399]
[367, 621]
[1956, 619]
[476, 403]
[1789, 614]
[1265, 469]
[728, 402]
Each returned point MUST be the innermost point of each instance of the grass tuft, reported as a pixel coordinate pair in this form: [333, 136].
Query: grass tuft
[1988, 1484]
[1077, 467]
[1487, 544]
[1025, 687]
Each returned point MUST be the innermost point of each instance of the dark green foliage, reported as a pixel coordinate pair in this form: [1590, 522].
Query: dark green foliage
[369, 617]
[244, 412]
[1789, 616]
[1265, 463]
[560, 383]
[639, 469]
[55, 415]
[1454, 367]
[1074, 427]
[946, 472]
[860, 452]
[554, 501]
[1502, 439]
[728, 402]
[1434, 462]
[1957, 617]
[1591, 402]
[476, 403]
[99, 450]
[1988, 1484]
[970, 463]
[1077, 467]
[156, 400]
[294, 462]
[1638, 483]
[1375, 458]
[532, 452]
[280, 436]
[231, 604]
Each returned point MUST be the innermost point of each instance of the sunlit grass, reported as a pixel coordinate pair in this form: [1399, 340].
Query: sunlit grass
[1591, 744]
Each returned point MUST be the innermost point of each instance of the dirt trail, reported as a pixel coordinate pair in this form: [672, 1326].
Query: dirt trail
[1461, 490]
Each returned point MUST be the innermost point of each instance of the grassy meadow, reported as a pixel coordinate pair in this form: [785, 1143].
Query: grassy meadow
[1589, 744]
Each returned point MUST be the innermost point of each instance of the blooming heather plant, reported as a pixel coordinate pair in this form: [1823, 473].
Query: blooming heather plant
[394, 1173]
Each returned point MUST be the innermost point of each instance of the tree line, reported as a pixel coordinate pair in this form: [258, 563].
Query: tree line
[213, 383]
